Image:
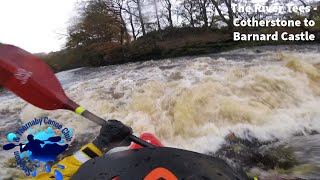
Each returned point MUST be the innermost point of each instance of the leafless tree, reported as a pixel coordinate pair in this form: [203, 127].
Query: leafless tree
[156, 11]
[131, 17]
[168, 14]
[224, 4]
[202, 5]
[139, 4]
[118, 8]
[189, 12]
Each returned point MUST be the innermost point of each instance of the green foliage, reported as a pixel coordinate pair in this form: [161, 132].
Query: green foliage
[316, 27]
[72, 58]
[100, 37]
[98, 25]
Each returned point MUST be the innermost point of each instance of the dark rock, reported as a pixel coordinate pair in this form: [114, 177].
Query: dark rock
[251, 153]
[176, 76]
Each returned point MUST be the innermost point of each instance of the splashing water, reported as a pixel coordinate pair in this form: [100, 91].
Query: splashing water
[194, 103]
[44, 135]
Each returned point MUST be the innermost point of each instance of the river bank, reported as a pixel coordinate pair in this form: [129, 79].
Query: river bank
[170, 43]
[238, 105]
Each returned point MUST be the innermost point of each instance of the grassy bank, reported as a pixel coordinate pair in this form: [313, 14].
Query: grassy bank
[168, 43]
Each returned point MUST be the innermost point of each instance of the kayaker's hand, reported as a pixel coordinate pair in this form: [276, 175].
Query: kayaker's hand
[113, 134]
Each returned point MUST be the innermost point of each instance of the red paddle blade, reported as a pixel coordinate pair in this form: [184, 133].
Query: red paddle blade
[30, 78]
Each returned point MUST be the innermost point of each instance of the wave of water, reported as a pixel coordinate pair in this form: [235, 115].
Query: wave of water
[194, 102]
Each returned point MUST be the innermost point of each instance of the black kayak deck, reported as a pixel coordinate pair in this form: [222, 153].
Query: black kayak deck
[138, 163]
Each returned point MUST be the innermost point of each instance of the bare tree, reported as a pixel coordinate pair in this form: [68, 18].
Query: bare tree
[155, 5]
[284, 2]
[188, 12]
[131, 15]
[168, 15]
[227, 4]
[202, 6]
[139, 4]
[118, 8]
[304, 3]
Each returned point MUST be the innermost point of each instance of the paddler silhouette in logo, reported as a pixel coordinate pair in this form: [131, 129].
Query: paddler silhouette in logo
[42, 145]
[43, 151]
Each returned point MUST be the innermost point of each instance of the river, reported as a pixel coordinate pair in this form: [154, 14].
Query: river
[268, 93]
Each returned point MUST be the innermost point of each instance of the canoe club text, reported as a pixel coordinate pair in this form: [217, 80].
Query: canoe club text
[40, 121]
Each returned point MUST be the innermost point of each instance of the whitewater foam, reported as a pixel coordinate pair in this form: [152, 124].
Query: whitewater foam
[194, 104]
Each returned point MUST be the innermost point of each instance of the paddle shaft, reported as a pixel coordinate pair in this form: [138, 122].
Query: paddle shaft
[29, 77]
[87, 114]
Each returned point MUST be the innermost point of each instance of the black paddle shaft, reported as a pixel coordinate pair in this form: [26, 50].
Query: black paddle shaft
[87, 114]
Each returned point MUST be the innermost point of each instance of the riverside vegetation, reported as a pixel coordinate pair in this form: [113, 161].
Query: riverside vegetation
[107, 32]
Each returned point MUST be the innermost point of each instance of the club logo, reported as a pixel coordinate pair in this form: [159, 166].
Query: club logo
[44, 140]
[23, 75]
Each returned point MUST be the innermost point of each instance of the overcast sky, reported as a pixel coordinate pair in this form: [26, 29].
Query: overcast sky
[35, 25]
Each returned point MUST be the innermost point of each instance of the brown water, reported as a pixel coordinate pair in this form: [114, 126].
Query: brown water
[195, 102]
